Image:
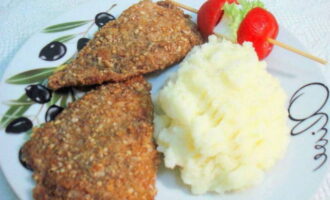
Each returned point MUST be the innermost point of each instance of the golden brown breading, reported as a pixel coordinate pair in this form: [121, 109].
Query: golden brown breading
[146, 37]
[100, 147]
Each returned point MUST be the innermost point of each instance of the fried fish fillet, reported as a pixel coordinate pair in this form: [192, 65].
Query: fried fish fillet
[146, 37]
[100, 147]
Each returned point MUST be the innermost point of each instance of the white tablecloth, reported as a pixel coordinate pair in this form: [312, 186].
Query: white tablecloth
[308, 20]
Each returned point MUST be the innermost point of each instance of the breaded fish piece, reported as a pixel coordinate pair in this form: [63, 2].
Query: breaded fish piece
[100, 147]
[146, 37]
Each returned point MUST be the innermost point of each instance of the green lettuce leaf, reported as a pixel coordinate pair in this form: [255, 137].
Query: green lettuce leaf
[236, 13]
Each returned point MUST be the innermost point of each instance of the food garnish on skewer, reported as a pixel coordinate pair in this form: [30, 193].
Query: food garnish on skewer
[259, 26]
[249, 21]
[209, 16]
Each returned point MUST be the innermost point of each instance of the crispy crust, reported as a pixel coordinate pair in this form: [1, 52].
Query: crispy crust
[146, 37]
[100, 147]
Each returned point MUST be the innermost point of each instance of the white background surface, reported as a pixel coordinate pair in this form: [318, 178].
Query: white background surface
[308, 20]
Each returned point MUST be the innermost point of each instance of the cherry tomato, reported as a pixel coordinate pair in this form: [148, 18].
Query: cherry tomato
[209, 15]
[257, 27]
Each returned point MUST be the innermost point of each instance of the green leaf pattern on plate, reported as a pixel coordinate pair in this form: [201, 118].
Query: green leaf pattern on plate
[19, 103]
[65, 38]
[64, 100]
[55, 98]
[40, 76]
[15, 111]
[64, 26]
[31, 76]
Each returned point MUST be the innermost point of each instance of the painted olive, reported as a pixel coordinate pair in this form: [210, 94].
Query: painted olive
[52, 112]
[19, 125]
[38, 93]
[53, 51]
[102, 18]
[23, 161]
[82, 43]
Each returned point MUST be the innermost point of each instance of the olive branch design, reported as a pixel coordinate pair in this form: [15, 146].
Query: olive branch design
[39, 77]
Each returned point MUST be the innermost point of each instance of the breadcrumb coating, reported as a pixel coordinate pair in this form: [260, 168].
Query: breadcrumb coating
[146, 37]
[100, 147]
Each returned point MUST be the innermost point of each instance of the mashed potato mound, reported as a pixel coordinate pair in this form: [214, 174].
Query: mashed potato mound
[221, 118]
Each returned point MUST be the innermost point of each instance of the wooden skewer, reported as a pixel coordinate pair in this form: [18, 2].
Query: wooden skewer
[270, 40]
[180, 5]
[297, 51]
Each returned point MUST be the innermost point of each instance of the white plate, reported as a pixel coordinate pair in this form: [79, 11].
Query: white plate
[296, 176]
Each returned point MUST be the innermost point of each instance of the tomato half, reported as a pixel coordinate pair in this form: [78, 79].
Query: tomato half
[209, 15]
[257, 27]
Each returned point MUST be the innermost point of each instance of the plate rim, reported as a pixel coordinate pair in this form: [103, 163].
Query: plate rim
[58, 17]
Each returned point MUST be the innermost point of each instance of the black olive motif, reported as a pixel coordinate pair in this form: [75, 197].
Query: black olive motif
[22, 161]
[53, 51]
[38, 93]
[82, 43]
[52, 112]
[19, 125]
[102, 18]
